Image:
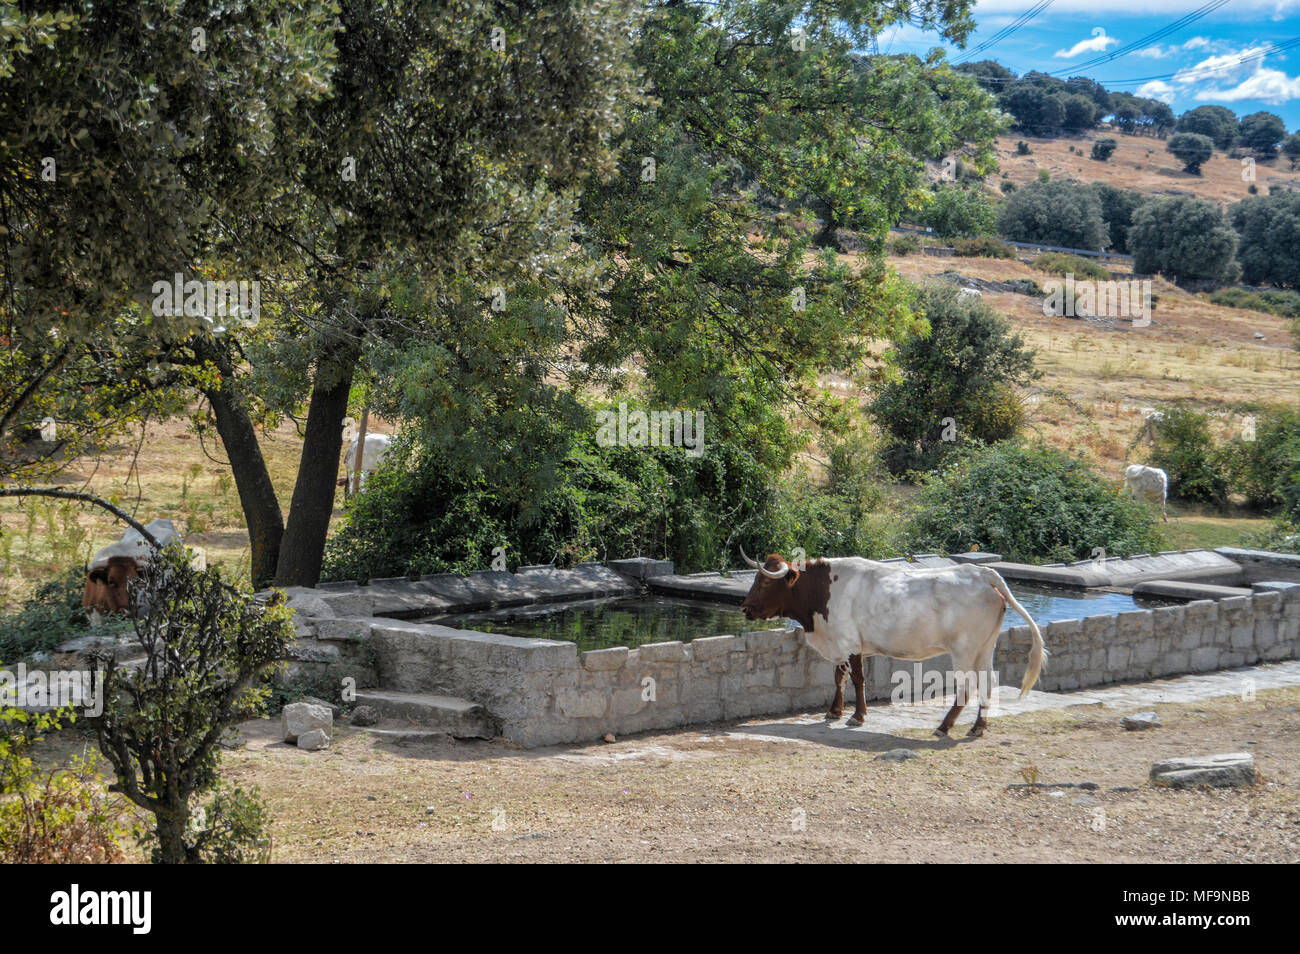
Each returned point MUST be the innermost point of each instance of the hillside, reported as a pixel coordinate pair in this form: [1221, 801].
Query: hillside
[1139, 163]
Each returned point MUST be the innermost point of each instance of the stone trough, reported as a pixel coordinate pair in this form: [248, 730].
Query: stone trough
[1239, 608]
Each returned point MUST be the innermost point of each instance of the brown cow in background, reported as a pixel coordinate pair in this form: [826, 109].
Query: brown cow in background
[114, 567]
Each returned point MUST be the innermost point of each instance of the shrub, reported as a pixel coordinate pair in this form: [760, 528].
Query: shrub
[62, 816]
[1265, 464]
[1185, 239]
[1007, 187]
[1028, 503]
[985, 246]
[1184, 449]
[1063, 263]
[1054, 213]
[905, 245]
[1191, 149]
[1291, 148]
[1022, 149]
[948, 381]
[1102, 149]
[205, 642]
[1272, 301]
[53, 615]
[958, 211]
[1269, 231]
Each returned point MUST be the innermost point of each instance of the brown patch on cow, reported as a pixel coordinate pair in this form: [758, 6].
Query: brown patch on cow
[798, 595]
[107, 586]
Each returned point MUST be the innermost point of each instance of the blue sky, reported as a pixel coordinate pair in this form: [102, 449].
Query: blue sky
[1209, 61]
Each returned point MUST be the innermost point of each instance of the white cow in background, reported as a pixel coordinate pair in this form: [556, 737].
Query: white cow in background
[1147, 483]
[377, 445]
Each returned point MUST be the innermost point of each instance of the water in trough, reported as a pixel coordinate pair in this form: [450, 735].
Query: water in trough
[632, 621]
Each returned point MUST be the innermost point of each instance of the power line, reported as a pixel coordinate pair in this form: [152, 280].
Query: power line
[1195, 73]
[1160, 34]
[1006, 31]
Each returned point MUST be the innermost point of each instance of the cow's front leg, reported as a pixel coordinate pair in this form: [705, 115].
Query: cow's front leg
[980, 725]
[949, 721]
[859, 689]
[837, 704]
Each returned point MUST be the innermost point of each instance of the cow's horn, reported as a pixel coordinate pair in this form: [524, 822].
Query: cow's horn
[754, 563]
[775, 574]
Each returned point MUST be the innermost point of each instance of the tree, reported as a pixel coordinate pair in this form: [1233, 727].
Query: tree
[204, 643]
[1262, 132]
[1184, 449]
[1054, 212]
[954, 383]
[1269, 231]
[1217, 122]
[1078, 112]
[1192, 149]
[1117, 208]
[1184, 239]
[1291, 149]
[958, 212]
[990, 74]
[1037, 111]
[1102, 148]
[1093, 90]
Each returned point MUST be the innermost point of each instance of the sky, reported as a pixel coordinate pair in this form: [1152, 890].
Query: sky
[1212, 60]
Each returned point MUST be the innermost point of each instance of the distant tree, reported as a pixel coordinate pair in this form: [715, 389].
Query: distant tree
[954, 384]
[1054, 213]
[1117, 208]
[1269, 230]
[1078, 112]
[1037, 112]
[990, 74]
[1102, 148]
[1192, 149]
[1217, 122]
[1183, 238]
[1291, 148]
[958, 212]
[1093, 90]
[1262, 132]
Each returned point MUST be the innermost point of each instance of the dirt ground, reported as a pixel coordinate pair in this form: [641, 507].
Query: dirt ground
[762, 790]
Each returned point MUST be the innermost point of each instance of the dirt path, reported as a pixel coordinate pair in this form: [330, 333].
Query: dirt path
[795, 789]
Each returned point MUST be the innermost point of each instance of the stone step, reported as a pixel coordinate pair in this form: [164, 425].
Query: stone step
[441, 714]
[1185, 590]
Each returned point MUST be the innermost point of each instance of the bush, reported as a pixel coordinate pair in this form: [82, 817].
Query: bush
[1185, 239]
[1054, 213]
[63, 816]
[905, 245]
[1007, 187]
[1102, 149]
[986, 246]
[1191, 149]
[1063, 263]
[1184, 449]
[1028, 503]
[1265, 464]
[954, 384]
[1022, 149]
[1269, 231]
[958, 211]
[1272, 301]
[423, 514]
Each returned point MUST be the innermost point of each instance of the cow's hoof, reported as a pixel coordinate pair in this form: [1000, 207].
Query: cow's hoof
[832, 716]
[975, 733]
[941, 733]
[856, 720]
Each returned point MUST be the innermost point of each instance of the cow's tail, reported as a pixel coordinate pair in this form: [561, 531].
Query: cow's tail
[1038, 654]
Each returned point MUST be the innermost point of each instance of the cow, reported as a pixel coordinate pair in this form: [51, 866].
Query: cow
[850, 607]
[114, 567]
[1148, 483]
[377, 445]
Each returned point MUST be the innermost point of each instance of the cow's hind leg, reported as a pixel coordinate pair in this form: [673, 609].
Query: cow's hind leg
[949, 721]
[837, 704]
[859, 690]
[984, 684]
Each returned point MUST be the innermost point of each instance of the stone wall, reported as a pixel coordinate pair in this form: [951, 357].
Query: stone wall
[541, 692]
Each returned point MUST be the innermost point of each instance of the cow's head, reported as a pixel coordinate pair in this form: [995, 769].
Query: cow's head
[107, 586]
[771, 595]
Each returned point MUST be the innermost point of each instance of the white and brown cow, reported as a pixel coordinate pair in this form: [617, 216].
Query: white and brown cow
[850, 607]
[110, 573]
[1148, 483]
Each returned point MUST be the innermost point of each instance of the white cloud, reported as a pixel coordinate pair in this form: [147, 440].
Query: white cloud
[1097, 44]
[1222, 68]
[1270, 86]
[1157, 90]
[1169, 9]
[1196, 43]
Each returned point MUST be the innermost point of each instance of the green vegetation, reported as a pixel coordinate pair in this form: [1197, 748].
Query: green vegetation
[1185, 450]
[956, 211]
[1269, 300]
[1269, 231]
[1218, 123]
[1054, 213]
[1063, 263]
[1029, 503]
[1184, 239]
[1192, 150]
[1102, 149]
[985, 246]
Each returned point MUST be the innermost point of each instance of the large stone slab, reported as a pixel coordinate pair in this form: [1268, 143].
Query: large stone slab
[1218, 771]
[1187, 590]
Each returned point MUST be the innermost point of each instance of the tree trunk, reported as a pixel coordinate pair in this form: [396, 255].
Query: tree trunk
[303, 545]
[252, 479]
[169, 826]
